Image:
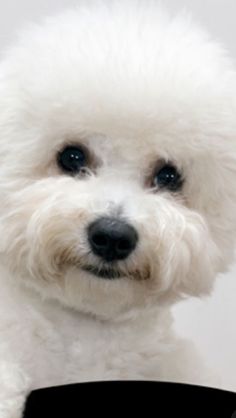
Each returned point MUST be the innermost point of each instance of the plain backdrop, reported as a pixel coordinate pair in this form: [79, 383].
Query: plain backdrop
[210, 322]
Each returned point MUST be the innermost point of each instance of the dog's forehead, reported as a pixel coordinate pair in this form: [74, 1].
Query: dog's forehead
[131, 63]
[127, 76]
[122, 90]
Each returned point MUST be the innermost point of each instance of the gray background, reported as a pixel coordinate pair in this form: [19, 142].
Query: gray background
[211, 322]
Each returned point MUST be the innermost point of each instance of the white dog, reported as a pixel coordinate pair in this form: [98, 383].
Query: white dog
[118, 198]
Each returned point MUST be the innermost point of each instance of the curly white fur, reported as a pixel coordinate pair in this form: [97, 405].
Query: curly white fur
[134, 86]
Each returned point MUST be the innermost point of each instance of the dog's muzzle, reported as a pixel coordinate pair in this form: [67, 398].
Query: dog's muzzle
[112, 239]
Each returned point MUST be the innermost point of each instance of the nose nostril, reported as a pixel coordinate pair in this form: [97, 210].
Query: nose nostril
[100, 240]
[123, 245]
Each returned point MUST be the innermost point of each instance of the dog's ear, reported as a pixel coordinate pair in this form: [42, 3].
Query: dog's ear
[221, 210]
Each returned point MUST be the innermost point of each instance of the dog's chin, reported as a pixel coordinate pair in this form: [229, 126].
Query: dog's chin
[107, 273]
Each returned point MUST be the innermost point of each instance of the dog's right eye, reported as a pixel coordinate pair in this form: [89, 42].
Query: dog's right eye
[72, 159]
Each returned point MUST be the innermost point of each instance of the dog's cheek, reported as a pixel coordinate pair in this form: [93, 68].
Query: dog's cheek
[13, 247]
[195, 267]
[55, 240]
[212, 193]
[185, 267]
[40, 235]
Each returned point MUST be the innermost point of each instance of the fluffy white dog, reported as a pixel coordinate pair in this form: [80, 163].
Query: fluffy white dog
[118, 198]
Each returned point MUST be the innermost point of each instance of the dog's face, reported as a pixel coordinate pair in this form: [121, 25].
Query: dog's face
[117, 160]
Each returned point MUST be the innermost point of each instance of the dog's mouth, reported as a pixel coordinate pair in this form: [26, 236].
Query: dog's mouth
[104, 273]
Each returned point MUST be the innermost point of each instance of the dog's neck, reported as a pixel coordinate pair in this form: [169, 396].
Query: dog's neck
[82, 339]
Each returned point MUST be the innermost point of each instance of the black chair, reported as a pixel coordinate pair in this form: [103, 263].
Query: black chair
[125, 398]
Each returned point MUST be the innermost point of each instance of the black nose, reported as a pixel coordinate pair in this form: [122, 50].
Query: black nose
[112, 239]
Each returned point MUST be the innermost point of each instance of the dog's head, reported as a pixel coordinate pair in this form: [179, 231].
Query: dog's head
[117, 158]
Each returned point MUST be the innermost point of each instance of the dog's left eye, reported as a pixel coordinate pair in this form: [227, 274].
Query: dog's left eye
[72, 159]
[168, 178]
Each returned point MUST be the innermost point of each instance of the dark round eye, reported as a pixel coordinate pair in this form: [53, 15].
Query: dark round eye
[72, 159]
[168, 178]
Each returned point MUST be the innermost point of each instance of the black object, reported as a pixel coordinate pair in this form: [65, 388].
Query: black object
[71, 159]
[125, 398]
[112, 239]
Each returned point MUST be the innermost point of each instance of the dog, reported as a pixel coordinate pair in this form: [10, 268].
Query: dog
[117, 174]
